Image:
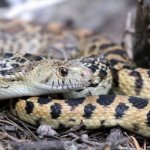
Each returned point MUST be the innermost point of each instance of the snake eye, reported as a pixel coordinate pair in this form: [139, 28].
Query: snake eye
[63, 71]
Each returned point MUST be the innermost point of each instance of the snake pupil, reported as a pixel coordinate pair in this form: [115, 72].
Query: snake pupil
[63, 71]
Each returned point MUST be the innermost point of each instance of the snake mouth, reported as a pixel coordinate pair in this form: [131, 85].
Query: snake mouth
[60, 88]
[68, 87]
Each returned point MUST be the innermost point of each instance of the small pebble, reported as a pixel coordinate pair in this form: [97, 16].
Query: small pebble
[46, 130]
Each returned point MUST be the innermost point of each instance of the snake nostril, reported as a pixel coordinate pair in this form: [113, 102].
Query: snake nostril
[85, 73]
[82, 74]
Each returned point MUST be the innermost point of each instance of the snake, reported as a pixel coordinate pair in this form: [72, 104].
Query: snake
[101, 89]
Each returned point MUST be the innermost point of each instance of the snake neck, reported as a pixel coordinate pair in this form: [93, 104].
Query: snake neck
[19, 89]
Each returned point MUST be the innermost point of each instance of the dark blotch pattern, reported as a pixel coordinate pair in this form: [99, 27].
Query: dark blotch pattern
[16, 59]
[115, 77]
[88, 110]
[148, 118]
[32, 57]
[3, 65]
[120, 52]
[7, 55]
[22, 60]
[75, 102]
[44, 100]
[126, 66]
[120, 109]
[105, 100]
[138, 81]
[139, 103]
[113, 62]
[61, 126]
[29, 107]
[55, 110]
[6, 72]
[105, 46]
[15, 65]
[93, 68]
[38, 58]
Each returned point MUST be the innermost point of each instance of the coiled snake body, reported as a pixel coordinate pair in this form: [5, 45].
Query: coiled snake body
[87, 79]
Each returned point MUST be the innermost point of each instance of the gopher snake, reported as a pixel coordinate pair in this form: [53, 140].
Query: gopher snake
[129, 112]
[40, 77]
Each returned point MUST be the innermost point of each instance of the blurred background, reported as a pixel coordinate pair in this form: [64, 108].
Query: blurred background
[104, 16]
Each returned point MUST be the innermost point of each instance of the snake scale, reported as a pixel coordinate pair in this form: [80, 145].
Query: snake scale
[83, 84]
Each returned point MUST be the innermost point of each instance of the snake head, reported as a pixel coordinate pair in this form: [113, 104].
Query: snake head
[58, 76]
[101, 81]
